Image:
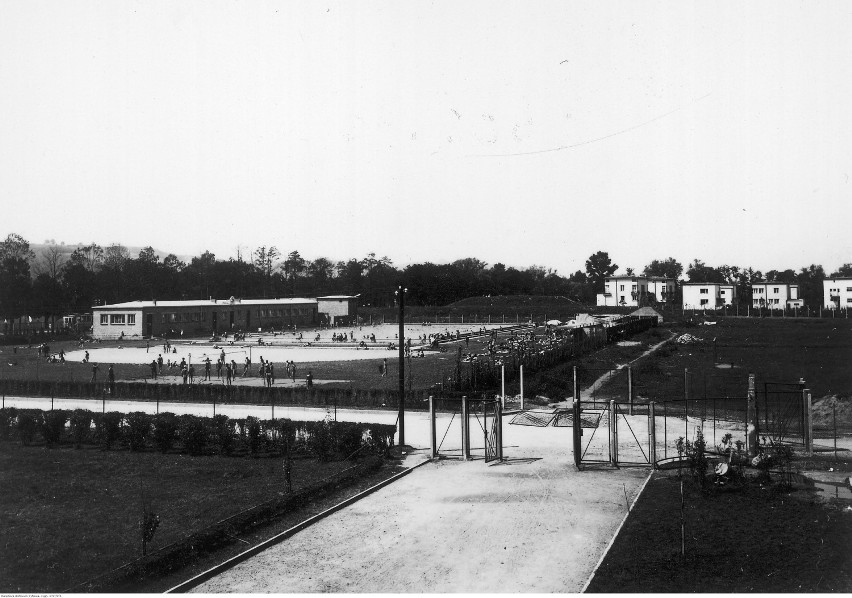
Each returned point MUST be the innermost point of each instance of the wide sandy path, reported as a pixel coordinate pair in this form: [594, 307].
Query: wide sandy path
[450, 526]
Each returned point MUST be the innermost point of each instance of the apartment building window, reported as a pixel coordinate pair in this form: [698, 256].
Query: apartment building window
[622, 288]
[722, 292]
[116, 319]
[131, 319]
[703, 291]
[775, 290]
[848, 289]
[705, 301]
[104, 319]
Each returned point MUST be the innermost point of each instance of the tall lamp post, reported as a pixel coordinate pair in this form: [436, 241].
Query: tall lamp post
[400, 293]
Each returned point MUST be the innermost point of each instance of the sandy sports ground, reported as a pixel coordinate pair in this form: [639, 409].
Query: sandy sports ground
[277, 348]
[529, 524]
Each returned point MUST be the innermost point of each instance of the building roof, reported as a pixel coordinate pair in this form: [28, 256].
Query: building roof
[205, 303]
[338, 297]
[686, 284]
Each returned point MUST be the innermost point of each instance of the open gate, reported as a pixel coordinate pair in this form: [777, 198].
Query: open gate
[612, 433]
[492, 430]
[457, 422]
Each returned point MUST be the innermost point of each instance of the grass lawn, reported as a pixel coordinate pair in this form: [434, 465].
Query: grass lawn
[775, 350]
[69, 515]
[752, 540]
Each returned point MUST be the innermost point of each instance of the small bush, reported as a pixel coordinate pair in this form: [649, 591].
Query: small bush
[137, 428]
[193, 434]
[165, 431]
[81, 426]
[108, 427]
[223, 434]
[27, 423]
[7, 416]
[253, 431]
[53, 425]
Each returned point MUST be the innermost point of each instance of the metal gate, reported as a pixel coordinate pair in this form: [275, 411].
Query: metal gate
[607, 433]
[451, 436]
[491, 428]
[781, 413]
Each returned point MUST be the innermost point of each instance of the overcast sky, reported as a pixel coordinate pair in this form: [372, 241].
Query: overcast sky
[515, 132]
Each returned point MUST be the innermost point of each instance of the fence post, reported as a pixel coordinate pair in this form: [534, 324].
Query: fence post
[630, 388]
[809, 426]
[522, 387]
[499, 432]
[432, 434]
[578, 432]
[502, 385]
[613, 433]
[652, 435]
[576, 386]
[465, 426]
[751, 428]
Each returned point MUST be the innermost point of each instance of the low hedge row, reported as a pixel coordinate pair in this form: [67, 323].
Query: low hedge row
[186, 551]
[192, 434]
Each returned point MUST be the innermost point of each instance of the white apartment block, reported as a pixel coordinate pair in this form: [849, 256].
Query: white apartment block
[707, 295]
[837, 293]
[636, 290]
[775, 295]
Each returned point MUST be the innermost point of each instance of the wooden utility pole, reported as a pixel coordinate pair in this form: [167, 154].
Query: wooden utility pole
[401, 294]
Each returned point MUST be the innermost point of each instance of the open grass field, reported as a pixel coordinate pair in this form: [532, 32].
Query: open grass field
[755, 540]
[775, 350]
[69, 515]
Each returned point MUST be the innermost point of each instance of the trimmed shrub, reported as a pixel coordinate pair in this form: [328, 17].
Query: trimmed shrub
[27, 423]
[193, 434]
[108, 428]
[136, 430]
[81, 426]
[253, 430]
[53, 425]
[7, 416]
[223, 434]
[165, 431]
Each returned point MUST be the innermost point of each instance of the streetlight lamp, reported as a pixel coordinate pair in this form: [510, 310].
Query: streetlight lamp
[400, 293]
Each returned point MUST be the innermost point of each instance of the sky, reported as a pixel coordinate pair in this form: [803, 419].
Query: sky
[513, 132]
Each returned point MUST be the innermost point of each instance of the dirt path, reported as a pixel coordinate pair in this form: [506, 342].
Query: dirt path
[531, 524]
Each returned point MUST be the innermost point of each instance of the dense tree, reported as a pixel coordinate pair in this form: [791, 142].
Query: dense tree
[598, 267]
[698, 271]
[810, 284]
[787, 276]
[845, 271]
[667, 268]
[15, 281]
[293, 267]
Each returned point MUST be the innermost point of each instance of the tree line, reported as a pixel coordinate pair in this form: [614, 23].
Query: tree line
[56, 282]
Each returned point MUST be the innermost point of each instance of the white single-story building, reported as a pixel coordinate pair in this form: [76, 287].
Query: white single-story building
[199, 317]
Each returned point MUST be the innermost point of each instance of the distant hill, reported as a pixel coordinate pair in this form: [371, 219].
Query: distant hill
[521, 302]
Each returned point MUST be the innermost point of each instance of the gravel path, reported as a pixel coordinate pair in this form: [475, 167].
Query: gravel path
[530, 524]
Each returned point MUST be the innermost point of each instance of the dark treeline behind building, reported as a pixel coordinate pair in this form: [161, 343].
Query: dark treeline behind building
[58, 279]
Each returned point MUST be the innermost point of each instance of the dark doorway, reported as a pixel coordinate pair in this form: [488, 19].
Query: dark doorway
[149, 325]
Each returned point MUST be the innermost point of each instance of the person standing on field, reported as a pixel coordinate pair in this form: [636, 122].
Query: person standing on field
[94, 373]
